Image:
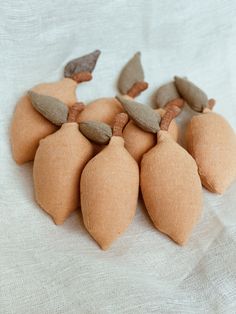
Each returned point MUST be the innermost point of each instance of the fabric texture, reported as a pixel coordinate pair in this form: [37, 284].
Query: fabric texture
[144, 116]
[48, 269]
[192, 94]
[103, 110]
[58, 164]
[166, 93]
[85, 63]
[51, 108]
[96, 131]
[138, 142]
[212, 143]
[28, 126]
[109, 192]
[171, 188]
[131, 74]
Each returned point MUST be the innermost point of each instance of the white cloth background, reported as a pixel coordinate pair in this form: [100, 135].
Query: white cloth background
[46, 269]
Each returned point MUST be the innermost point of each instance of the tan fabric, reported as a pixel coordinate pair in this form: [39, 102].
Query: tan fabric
[104, 110]
[195, 97]
[83, 64]
[109, 192]
[64, 90]
[166, 93]
[28, 126]
[138, 142]
[96, 131]
[144, 116]
[171, 188]
[49, 107]
[212, 143]
[58, 164]
[131, 73]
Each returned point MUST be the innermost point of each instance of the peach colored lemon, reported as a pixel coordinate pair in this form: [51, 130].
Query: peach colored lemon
[59, 161]
[28, 126]
[210, 139]
[109, 189]
[170, 184]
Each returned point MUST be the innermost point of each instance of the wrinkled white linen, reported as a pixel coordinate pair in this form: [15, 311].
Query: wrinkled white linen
[49, 269]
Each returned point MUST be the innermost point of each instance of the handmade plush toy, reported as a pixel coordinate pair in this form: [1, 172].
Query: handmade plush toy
[60, 158]
[170, 183]
[28, 126]
[138, 141]
[109, 184]
[210, 139]
[131, 83]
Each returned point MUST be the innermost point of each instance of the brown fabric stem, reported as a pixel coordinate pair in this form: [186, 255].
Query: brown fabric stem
[74, 111]
[211, 103]
[82, 77]
[137, 89]
[171, 112]
[121, 120]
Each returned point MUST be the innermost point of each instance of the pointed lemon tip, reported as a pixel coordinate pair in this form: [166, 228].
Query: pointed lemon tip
[180, 242]
[58, 221]
[220, 190]
[104, 242]
[104, 247]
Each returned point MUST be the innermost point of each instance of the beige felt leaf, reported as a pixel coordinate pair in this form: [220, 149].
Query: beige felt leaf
[193, 95]
[85, 63]
[166, 93]
[51, 108]
[144, 116]
[96, 131]
[131, 73]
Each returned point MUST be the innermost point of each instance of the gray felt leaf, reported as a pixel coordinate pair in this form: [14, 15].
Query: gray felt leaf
[193, 95]
[144, 116]
[85, 63]
[132, 73]
[96, 131]
[51, 108]
[166, 93]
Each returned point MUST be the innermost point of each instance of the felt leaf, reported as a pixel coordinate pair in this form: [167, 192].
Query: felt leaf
[166, 93]
[144, 116]
[85, 63]
[51, 108]
[131, 74]
[193, 95]
[96, 131]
